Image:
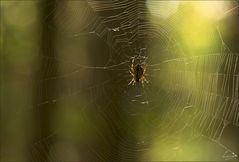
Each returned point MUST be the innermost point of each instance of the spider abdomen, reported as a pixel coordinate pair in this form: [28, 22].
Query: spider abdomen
[139, 71]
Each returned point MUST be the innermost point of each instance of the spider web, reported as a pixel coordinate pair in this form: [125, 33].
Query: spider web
[190, 99]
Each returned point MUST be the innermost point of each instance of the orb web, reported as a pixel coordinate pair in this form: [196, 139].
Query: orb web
[189, 97]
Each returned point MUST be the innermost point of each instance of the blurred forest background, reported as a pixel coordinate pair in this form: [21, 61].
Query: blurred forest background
[59, 103]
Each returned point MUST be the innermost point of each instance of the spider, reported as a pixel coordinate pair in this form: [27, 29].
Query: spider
[137, 70]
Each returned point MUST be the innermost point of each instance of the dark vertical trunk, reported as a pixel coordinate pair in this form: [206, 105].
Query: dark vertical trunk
[45, 90]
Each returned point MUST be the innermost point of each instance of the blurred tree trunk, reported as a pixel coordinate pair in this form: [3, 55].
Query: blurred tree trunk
[45, 89]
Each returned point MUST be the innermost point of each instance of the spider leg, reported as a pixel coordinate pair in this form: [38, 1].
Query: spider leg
[143, 79]
[146, 80]
[131, 73]
[132, 61]
[142, 82]
[132, 82]
[132, 66]
[144, 71]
